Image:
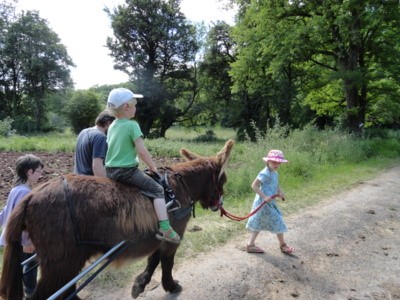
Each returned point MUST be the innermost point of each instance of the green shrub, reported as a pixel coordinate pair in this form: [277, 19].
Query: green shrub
[385, 147]
[83, 109]
[5, 127]
[209, 136]
[56, 122]
[24, 125]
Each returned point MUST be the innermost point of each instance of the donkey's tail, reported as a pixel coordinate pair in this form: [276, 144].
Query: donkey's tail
[11, 276]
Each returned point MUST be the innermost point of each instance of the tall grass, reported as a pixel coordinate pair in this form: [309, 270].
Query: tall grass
[321, 164]
[53, 142]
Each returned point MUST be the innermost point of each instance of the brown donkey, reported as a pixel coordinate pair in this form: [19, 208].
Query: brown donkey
[74, 218]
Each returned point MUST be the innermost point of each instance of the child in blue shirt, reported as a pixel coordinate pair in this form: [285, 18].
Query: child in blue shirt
[269, 217]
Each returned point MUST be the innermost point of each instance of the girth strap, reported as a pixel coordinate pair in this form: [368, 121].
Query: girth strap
[74, 221]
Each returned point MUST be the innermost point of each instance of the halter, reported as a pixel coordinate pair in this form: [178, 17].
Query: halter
[217, 195]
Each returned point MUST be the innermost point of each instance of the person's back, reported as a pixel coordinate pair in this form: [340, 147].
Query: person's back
[122, 152]
[91, 147]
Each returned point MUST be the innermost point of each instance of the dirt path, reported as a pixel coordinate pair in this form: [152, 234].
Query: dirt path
[348, 248]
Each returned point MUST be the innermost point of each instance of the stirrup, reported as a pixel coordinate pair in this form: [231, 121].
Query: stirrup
[172, 202]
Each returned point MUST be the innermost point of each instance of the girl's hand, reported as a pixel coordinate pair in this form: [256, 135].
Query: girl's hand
[267, 199]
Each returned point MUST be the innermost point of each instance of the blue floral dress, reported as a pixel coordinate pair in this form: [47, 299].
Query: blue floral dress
[269, 217]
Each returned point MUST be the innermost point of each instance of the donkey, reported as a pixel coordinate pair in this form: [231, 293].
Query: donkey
[73, 218]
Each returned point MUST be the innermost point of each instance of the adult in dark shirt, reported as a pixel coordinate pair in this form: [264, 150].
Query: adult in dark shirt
[91, 147]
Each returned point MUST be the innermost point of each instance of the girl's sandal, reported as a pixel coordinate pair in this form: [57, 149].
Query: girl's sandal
[254, 249]
[287, 250]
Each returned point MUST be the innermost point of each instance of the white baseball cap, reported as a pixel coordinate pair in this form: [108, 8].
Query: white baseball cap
[120, 96]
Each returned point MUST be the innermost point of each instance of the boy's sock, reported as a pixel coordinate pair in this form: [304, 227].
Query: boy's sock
[164, 225]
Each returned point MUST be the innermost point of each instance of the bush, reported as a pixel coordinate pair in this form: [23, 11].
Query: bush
[56, 122]
[5, 127]
[83, 109]
[209, 136]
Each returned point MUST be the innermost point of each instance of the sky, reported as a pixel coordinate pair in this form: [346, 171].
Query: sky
[83, 27]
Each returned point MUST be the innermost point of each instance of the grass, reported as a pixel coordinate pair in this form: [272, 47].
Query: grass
[321, 165]
[64, 142]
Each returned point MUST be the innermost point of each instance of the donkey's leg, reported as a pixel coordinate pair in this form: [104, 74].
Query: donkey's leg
[168, 282]
[144, 278]
[54, 276]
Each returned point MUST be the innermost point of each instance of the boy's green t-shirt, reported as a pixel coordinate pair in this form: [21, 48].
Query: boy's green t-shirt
[121, 136]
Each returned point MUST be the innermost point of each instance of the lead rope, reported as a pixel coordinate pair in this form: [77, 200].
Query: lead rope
[236, 218]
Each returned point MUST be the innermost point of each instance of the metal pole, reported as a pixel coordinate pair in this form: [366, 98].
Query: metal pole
[28, 260]
[84, 272]
[88, 280]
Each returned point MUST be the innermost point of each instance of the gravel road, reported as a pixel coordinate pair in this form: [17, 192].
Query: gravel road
[348, 248]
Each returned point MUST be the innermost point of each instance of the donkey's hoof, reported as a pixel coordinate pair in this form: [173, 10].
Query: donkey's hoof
[136, 291]
[177, 289]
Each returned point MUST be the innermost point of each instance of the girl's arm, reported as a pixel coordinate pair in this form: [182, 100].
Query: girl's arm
[281, 194]
[256, 188]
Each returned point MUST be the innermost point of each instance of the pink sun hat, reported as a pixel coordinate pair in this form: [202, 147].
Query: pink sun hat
[275, 155]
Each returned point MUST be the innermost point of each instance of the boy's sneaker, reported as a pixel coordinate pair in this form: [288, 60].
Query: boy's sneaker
[166, 235]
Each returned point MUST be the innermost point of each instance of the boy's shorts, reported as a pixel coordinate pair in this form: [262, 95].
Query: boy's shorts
[136, 177]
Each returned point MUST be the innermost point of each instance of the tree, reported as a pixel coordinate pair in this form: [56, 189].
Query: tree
[7, 15]
[83, 109]
[34, 63]
[154, 44]
[263, 92]
[343, 47]
[215, 81]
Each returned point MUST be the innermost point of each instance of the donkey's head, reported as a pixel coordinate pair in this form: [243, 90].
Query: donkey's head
[214, 174]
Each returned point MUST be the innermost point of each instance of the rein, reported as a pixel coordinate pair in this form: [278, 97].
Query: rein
[236, 218]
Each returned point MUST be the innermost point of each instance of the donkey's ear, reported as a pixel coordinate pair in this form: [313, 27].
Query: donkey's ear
[189, 155]
[223, 155]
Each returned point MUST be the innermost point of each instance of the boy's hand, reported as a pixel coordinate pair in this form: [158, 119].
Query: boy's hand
[28, 249]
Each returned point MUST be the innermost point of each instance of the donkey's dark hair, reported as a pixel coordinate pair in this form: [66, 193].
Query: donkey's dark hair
[74, 218]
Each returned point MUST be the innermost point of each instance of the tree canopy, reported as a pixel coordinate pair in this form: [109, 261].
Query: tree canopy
[328, 63]
[336, 58]
[155, 45]
[33, 62]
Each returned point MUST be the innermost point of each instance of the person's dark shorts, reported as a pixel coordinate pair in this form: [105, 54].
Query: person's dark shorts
[136, 177]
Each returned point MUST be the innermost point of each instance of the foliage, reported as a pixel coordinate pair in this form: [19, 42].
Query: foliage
[154, 44]
[83, 109]
[5, 127]
[33, 63]
[209, 136]
[214, 79]
[331, 57]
